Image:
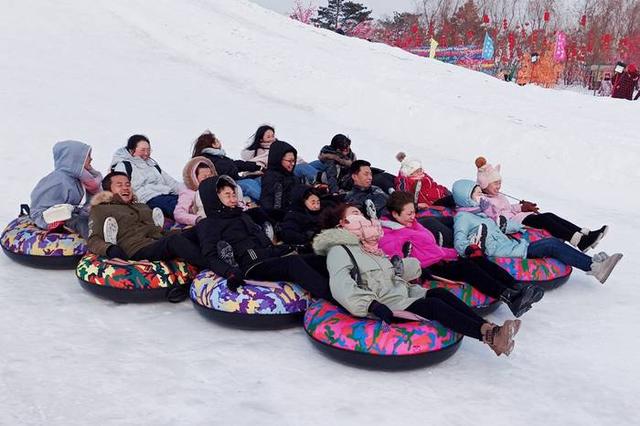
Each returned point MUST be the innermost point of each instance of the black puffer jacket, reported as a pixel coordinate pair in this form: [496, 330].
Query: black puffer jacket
[227, 166]
[249, 243]
[278, 183]
[358, 195]
[300, 224]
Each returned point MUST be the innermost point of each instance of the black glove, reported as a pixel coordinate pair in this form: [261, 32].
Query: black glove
[234, 280]
[473, 250]
[116, 251]
[382, 311]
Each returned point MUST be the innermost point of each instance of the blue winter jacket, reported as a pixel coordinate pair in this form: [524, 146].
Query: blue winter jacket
[466, 224]
[62, 186]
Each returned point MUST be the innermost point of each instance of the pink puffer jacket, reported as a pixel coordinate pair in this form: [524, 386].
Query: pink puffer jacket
[498, 205]
[425, 248]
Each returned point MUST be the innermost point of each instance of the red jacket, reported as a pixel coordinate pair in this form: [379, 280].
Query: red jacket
[430, 190]
[624, 85]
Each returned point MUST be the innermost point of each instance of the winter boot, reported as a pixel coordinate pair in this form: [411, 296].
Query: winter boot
[225, 253]
[398, 266]
[520, 301]
[500, 338]
[480, 237]
[406, 249]
[110, 230]
[177, 293]
[601, 268]
[370, 209]
[501, 221]
[158, 217]
[592, 239]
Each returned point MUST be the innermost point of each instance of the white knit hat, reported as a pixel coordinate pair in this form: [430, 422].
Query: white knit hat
[410, 165]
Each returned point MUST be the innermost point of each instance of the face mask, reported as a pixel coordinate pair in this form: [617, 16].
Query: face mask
[366, 230]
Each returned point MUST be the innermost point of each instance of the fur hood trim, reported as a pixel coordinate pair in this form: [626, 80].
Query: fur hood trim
[328, 238]
[189, 171]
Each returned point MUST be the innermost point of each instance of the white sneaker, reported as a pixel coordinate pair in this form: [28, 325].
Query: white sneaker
[158, 217]
[602, 269]
[58, 213]
[110, 230]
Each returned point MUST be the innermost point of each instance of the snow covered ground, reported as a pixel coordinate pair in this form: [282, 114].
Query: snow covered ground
[99, 71]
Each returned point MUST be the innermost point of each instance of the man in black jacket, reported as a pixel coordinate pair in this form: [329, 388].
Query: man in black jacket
[279, 180]
[237, 248]
[364, 190]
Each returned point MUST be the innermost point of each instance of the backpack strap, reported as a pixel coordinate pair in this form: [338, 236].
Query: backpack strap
[158, 168]
[355, 272]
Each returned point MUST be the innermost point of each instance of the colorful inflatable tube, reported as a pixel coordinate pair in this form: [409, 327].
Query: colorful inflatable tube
[27, 244]
[480, 302]
[257, 305]
[132, 282]
[368, 343]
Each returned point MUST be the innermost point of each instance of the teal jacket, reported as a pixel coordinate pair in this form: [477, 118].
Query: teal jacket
[469, 218]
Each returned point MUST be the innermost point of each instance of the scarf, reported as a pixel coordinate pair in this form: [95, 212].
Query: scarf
[368, 232]
[215, 151]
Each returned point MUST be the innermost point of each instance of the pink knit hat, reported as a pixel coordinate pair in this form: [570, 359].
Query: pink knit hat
[486, 172]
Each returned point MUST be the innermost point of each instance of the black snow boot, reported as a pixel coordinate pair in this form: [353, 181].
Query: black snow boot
[592, 239]
[520, 301]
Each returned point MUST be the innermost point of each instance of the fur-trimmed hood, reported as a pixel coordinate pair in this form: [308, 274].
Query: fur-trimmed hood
[108, 197]
[328, 238]
[189, 171]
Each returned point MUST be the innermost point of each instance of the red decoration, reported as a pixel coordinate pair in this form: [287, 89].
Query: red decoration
[504, 24]
[583, 20]
[547, 15]
[485, 18]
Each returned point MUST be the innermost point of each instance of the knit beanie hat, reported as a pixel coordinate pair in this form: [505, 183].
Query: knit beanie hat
[408, 165]
[486, 172]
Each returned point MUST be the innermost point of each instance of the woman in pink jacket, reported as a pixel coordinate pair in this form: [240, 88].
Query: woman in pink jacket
[404, 236]
[497, 206]
[189, 209]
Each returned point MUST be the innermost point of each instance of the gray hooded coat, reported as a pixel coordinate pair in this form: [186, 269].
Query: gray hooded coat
[62, 186]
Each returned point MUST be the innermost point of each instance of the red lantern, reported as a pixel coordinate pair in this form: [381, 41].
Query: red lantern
[583, 20]
[547, 15]
[504, 24]
[485, 18]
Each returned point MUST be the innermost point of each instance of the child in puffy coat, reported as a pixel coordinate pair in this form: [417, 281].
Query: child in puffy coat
[189, 209]
[495, 205]
[426, 191]
[72, 178]
[475, 234]
[404, 236]
[302, 221]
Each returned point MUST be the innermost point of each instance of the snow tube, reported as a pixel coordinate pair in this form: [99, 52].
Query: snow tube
[27, 244]
[264, 306]
[480, 302]
[172, 225]
[126, 282]
[548, 273]
[368, 343]
[439, 212]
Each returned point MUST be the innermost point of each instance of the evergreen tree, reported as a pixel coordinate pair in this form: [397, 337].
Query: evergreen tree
[341, 14]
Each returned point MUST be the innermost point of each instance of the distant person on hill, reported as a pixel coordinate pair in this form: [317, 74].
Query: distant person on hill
[71, 178]
[245, 173]
[625, 83]
[189, 209]
[151, 184]
[258, 152]
[605, 86]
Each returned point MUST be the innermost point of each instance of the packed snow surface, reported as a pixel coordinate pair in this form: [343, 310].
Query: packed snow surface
[102, 70]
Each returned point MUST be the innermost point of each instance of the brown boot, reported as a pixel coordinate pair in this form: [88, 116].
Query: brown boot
[500, 338]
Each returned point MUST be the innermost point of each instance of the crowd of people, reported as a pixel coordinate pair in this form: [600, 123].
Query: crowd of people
[337, 226]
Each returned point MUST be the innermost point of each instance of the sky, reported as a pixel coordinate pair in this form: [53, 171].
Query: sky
[379, 7]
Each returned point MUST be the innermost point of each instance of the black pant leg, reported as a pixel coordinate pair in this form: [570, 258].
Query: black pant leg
[494, 270]
[172, 247]
[558, 227]
[317, 262]
[154, 251]
[437, 307]
[439, 226]
[447, 201]
[468, 271]
[293, 269]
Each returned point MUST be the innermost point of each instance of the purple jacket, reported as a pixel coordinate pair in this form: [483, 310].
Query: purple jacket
[425, 248]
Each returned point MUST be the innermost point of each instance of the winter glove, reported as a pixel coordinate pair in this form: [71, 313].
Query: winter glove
[484, 204]
[528, 206]
[381, 311]
[473, 250]
[115, 251]
[234, 280]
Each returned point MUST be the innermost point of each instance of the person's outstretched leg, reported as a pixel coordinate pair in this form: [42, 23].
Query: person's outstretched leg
[556, 226]
[293, 269]
[553, 247]
[173, 247]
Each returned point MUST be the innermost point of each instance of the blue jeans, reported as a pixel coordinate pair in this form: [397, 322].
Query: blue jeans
[319, 165]
[307, 171]
[553, 247]
[252, 188]
[166, 203]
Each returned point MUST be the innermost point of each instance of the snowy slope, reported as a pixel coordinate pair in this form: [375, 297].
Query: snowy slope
[99, 71]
